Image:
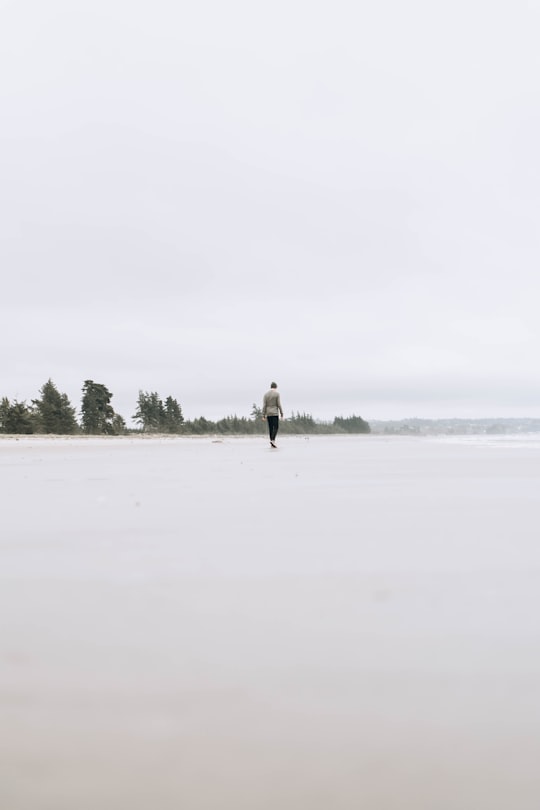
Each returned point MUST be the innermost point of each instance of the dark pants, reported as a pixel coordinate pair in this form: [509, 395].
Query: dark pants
[273, 426]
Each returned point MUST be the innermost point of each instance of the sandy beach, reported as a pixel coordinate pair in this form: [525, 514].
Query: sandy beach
[343, 623]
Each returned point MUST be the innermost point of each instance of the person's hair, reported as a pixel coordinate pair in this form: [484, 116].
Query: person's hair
[273, 385]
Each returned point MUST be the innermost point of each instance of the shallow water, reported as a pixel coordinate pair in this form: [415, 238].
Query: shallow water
[342, 623]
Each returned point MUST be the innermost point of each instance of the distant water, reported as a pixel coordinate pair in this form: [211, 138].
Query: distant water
[531, 440]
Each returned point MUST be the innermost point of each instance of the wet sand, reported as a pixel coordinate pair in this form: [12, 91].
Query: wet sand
[342, 623]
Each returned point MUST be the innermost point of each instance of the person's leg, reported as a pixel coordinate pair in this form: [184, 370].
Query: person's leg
[272, 426]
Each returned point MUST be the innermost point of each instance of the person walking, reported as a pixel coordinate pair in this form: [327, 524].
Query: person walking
[271, 411]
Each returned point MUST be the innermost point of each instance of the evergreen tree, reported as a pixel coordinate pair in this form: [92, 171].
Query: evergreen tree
[97, 412]
[172, 417]
[118, 425]
[256, 423]
[256, 412]
[201, 425]
[4, 413]
[351, 424]
[300, 423]
[150, 411]
[53, 412]
[15, 417]
[155, 417]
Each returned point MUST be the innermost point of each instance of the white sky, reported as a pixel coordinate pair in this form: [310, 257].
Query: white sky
[199, 198]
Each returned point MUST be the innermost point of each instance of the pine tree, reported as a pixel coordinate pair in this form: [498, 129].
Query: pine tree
[150, 411]
[352, 424]
[118, 424]
[53, 412]
[4, 413]
[97, 412]
[155, 417]
[15, 417]
[172, 416]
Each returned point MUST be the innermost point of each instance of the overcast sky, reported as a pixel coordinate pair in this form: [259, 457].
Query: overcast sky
[200, 197]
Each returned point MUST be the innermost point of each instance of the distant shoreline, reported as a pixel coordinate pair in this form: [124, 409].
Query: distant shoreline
[413, 428]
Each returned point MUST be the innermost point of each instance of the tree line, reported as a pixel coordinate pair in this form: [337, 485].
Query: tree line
[52, 413]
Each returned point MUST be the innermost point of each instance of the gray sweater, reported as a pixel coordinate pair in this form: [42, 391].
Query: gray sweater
[272, 403]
